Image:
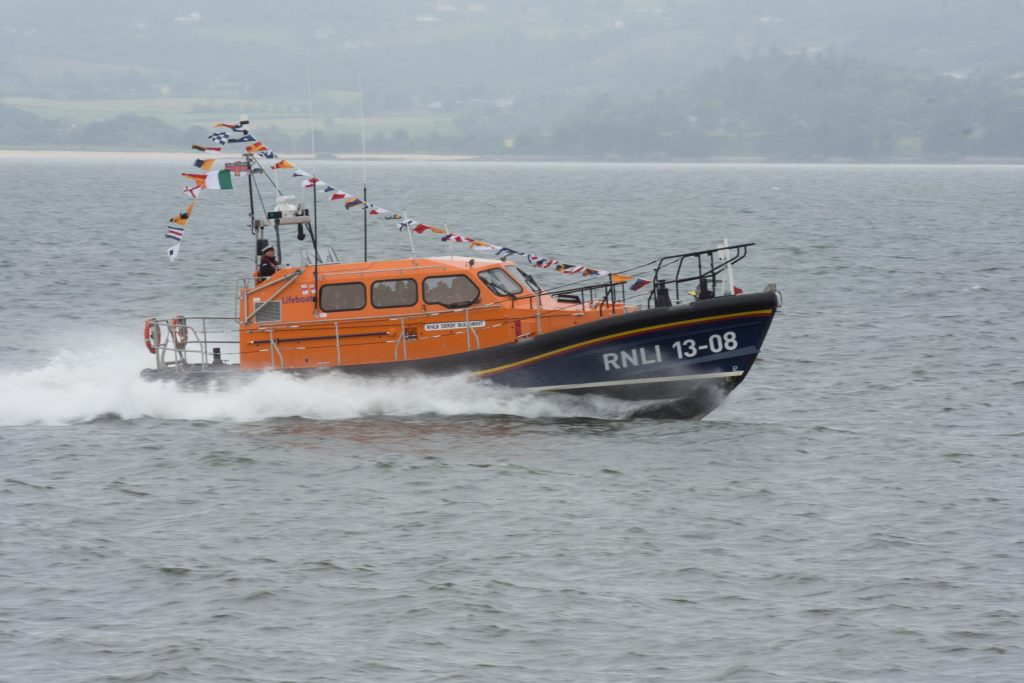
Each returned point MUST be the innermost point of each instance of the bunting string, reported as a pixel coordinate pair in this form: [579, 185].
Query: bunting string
[205, 175]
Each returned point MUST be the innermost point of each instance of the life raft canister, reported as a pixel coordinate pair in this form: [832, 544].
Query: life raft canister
[151, 333]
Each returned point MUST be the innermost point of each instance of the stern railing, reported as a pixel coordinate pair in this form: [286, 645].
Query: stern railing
[207, 341]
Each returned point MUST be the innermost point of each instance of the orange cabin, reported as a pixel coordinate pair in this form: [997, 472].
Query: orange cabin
[385, 311]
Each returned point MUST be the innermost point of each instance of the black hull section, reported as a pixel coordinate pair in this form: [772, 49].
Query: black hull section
[682, 359]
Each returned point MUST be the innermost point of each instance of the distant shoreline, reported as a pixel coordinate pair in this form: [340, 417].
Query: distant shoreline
[119, 155]
[124, 155]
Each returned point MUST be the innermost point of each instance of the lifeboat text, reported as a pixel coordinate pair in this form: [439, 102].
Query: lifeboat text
[430, 327]
[682, 349]
[633, 357]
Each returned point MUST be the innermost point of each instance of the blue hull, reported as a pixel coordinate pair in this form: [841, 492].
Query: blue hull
[691, 356]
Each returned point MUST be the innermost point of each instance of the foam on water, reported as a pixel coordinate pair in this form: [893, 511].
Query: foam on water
[80, 386]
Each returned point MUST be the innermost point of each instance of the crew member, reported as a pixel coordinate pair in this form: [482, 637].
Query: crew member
[268, 261]
[704, 291]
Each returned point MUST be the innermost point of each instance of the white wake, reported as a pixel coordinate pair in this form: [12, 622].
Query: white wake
[75, 387]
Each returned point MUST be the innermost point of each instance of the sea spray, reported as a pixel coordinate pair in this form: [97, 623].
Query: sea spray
[81, 386]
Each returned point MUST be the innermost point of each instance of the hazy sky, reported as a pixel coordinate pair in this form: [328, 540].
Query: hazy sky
[482, 68]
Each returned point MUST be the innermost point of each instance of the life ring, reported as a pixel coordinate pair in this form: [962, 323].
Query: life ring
[151, 333]
[179, 332]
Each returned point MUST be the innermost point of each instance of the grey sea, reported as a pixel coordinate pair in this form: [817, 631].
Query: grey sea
[853, 512]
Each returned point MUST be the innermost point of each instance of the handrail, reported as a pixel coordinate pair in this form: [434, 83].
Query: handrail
[392, 316]
[372, 272]
[269, 281]
[734, 253]
[285, 281]
[401, 341]
[705, 252]
[196, 342]
[471, 334]
[201, 342]
[537, 304]
[352, 273]
[337, 342]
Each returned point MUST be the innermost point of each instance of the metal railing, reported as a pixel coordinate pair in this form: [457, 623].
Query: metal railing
[183, 342]
[706, 270]
[192, 342]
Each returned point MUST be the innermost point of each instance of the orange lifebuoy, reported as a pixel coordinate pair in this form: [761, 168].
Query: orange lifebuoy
[151, 333]
[179, 332]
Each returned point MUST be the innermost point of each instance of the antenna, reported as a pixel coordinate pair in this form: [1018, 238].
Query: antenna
[451, 248]
[309, 93]
[314, 233]
[362, 124]
[408, 229]
[254, 228]
[366, 200]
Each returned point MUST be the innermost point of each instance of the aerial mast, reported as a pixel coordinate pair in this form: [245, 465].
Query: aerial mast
[254, 224]
[366, 200]
[316, 226]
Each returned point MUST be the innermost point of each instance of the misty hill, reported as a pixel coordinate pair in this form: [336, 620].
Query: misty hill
[510, 77]
[416, 51]
[803, 107]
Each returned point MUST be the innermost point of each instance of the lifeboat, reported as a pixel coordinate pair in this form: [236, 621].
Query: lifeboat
[676, 341]
[680, 350]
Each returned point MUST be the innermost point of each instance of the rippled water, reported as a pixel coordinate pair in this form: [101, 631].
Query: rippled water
[852, 512]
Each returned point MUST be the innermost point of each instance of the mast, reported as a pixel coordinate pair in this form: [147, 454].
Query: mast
[316, 253]
[314, 229]
[366, 204]
[277, 235]
[728, 268]
[256, 232]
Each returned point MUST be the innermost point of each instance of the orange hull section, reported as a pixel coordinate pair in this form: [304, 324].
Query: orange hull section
[282, 327]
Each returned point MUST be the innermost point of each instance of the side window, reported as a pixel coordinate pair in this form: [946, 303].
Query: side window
[350, 296]
[500, 282]
[450, 290]
[394, 293]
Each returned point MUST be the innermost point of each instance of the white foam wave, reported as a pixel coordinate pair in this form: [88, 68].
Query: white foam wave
[76, 387]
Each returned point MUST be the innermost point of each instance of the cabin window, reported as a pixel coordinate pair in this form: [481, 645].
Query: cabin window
[394, 293]
[453, 291]
[500, 282]
[350, 296]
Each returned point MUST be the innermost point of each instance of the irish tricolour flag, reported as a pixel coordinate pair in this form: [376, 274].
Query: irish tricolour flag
[221, 180]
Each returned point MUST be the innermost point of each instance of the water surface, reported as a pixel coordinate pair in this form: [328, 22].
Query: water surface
[852, 512]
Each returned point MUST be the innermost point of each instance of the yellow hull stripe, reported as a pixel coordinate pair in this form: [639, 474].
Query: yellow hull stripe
[620, 335]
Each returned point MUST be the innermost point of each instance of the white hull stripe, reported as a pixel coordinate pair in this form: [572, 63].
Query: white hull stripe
[647, 380]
